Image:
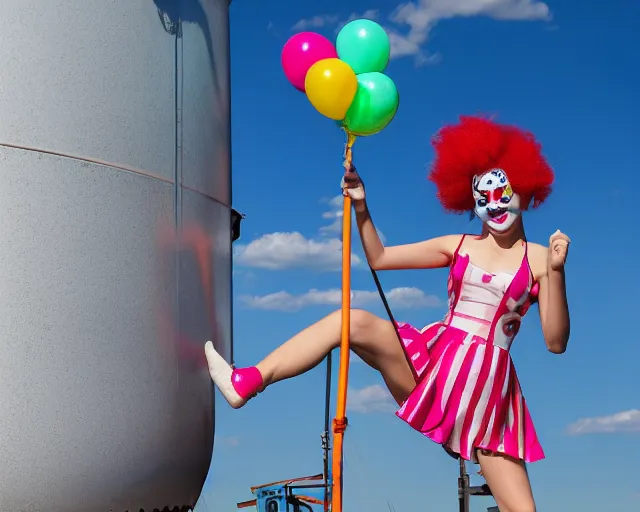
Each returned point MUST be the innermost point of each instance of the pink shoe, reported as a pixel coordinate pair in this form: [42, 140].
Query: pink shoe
[236, 385]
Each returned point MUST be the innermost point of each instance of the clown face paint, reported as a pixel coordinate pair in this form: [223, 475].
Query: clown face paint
[496, 203]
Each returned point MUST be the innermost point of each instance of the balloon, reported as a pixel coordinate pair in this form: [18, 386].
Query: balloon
[374, 105]
[364, 45]
[301, 52]
[331, 85]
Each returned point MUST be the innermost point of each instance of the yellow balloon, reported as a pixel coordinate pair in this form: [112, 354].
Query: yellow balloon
[331, 86]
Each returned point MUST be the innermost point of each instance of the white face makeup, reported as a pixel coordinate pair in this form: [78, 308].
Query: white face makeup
[496, 203]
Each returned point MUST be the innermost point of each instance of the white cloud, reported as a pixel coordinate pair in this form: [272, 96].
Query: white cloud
[335, 207]
[276, 251]
[401, 298]
[335, 214]
[370, 399]
[324, 20]
[412, 22]
[409, 297]
[420, 17]
[370, 14]
[625, 421]
[314, 22]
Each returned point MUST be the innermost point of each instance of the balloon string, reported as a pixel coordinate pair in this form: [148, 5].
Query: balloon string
[348, 149]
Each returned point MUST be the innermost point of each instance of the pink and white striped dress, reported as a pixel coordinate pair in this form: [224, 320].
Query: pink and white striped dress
[468, 396]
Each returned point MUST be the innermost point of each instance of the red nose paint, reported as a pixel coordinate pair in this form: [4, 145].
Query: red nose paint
[494, 196]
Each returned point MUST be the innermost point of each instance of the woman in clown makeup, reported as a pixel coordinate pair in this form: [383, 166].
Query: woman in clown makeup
[454, 380]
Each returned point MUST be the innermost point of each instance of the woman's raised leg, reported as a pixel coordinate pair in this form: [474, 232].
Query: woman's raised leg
[372, 339]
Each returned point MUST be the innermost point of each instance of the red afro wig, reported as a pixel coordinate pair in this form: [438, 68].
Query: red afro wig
[477, 145]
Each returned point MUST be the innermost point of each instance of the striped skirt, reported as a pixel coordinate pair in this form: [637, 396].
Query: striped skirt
[468, 396]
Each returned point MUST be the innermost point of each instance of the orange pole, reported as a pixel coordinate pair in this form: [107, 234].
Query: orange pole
[340, 421]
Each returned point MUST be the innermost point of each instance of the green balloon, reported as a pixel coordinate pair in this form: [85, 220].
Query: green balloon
[374, 106]
[364, 45]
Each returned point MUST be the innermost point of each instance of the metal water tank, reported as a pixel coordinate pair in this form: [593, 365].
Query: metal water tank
[115, 250]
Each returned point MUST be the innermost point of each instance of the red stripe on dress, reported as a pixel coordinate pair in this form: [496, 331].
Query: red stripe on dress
[444, 423]
[412, 411]
[512, 429]
[502, 408]
[474, 400]
[494, 399]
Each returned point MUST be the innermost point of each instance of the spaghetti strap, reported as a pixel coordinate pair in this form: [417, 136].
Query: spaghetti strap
[455, 254]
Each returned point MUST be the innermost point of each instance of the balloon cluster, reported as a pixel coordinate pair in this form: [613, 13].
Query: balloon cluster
[345, 82]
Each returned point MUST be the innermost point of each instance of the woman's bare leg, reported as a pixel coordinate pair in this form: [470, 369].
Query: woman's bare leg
[372, 338]
[509, 482]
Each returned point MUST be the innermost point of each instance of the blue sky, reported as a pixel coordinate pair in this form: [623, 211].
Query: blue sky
[565, 70]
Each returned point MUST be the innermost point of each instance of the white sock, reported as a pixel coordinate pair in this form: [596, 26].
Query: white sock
[220, 373]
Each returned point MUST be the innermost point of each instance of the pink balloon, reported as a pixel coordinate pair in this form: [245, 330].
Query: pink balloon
[301, 52]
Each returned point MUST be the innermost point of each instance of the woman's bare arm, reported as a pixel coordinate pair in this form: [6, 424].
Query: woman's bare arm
[433, 253]
[553, 304]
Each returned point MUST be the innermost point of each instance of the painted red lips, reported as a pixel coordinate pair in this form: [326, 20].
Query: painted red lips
[500, 219]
